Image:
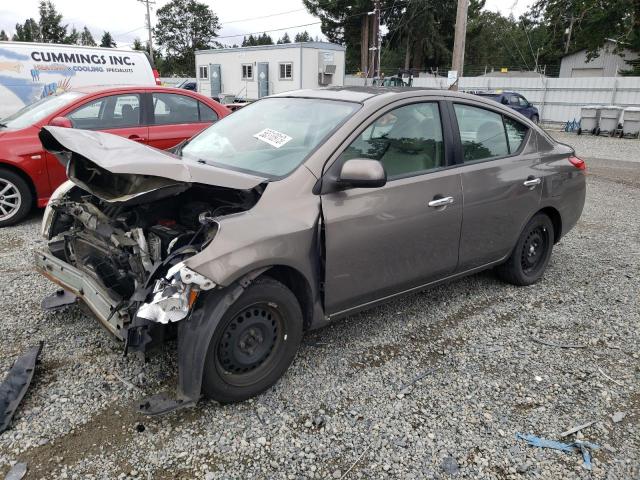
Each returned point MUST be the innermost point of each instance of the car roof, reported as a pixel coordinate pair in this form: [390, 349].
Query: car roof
[371, 93]
[122, 88]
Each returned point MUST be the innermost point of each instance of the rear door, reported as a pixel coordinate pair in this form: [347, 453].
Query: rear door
[501, 179]
[175, 117]
[386, 240]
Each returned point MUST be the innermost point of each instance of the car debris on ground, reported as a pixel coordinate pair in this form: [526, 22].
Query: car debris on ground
[578, 445]
[15, 385]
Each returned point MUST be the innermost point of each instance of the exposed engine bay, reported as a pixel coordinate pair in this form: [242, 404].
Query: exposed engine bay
[134, 250]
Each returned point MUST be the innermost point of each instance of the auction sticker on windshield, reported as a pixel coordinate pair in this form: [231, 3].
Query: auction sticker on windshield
[273, 137]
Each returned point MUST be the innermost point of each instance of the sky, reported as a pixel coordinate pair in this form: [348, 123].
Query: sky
[125, 19]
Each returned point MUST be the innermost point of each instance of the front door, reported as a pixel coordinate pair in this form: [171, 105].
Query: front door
[501, 183]
[263, 79]
[216, 80]
[386, 240]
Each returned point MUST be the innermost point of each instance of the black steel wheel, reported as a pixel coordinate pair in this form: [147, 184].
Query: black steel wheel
[532, 252]
[255, 342]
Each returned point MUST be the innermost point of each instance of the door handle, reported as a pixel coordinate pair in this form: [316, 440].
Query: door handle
[135, 138]
[531, 182]
[441, 202]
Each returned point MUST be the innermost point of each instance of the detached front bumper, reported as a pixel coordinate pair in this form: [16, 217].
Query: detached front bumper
[89, 291]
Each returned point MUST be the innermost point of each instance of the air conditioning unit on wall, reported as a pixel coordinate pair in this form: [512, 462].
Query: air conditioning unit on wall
[326, 68]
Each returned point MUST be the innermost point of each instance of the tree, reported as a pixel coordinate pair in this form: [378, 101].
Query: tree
[137, 44]
[29, 32]
[51, 28]
[249, 41]
[265, 39]
[183, 27]
[107, 41]
[3, 36]
[86, 38]
[73, 38]
[303, 37]
[285, 38]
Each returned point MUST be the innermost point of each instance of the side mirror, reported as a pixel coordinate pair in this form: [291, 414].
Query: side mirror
[362, 173]
[61, 122]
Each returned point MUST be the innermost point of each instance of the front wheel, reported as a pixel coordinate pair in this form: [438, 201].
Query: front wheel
[531, 255]
[15, 198]
[254, 344]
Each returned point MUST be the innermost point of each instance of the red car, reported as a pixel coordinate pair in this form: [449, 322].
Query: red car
[158, 116]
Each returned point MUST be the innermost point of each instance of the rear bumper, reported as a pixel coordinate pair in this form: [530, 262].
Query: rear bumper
[85, 288]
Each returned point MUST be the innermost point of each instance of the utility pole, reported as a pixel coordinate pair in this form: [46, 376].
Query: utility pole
[379, 36]
[460, 36]
[148, 3]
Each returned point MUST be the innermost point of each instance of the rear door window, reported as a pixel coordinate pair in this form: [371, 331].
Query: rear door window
[516, 132]
[482, 133]
[485, 134]
[172, 108]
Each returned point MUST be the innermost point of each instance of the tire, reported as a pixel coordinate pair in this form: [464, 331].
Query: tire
[597, 132]
[242, 361]
[16, 198]
[579, 131]
[531, 255]
[535, 119]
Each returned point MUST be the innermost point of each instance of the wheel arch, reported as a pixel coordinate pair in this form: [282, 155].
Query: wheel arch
[556, 220]
[21, 173]
[295, 281]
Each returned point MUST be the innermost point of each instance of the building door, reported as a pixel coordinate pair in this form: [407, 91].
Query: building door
[216, 80]
[263, 79]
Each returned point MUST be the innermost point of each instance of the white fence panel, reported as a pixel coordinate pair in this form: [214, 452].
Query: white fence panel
[558, 99]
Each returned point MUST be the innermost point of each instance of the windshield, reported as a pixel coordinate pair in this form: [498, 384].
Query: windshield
[30, 114]
[269, 138]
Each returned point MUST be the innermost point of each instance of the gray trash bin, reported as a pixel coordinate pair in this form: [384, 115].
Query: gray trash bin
[631, 122]
[610, 119]
[589, 119]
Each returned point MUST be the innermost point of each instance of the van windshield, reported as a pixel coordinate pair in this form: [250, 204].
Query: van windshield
[35, 112]
[271, 137]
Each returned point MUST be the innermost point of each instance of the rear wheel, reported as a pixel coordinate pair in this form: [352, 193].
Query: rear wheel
[531, 255]
[15, 198]
[254, 344]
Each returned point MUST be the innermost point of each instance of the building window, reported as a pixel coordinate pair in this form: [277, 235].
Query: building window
[286, 71]
[204, 72]
[247, 71]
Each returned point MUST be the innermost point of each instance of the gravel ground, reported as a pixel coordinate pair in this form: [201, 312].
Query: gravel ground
[432, 385]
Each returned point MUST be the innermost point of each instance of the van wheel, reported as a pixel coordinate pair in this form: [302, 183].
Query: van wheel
[531, 255]
[16, 198]
[254, 344]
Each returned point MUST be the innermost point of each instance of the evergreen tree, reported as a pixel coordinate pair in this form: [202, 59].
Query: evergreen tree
[137, 45]
[51, 28]
[107, 40]
[303, 37]
[3, 36]
[285, 38]
[86, 38]
[73, 38]
[29, 32]
[264, 39]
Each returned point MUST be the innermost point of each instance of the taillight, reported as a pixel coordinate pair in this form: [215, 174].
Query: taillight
[578, 163]
[156, 75]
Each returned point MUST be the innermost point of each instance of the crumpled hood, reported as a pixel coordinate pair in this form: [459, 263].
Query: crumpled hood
[138, 168]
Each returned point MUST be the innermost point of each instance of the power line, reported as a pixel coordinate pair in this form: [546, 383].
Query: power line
[265, 31]
[261, 17]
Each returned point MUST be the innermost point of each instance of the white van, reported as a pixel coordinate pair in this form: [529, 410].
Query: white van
[30, 71]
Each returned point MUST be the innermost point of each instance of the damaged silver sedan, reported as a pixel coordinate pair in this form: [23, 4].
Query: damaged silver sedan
[294, 211]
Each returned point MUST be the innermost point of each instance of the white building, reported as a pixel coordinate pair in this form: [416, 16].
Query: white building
[608, 64]
[254, 72]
